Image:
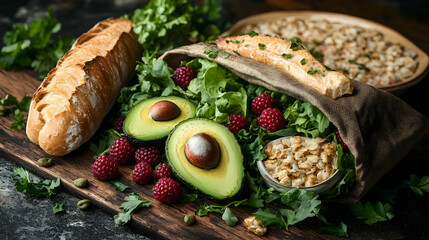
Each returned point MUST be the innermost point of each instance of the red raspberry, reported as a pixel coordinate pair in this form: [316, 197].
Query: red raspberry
[183, 75]
[237, 122]
[340, 140]
[262, 102]
[121, 151]
[163, 171]
[149, 155]
[142, 173]
[271, 119]
[104, 168]
[117, 125]
[167, 190]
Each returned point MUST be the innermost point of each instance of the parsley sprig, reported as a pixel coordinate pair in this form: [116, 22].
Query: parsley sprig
[32, 46]
[45, 188]
[132, 203]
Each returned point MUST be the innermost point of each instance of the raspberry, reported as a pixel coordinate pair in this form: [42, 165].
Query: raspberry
[237, 122]
[121, 151]
[117, 125]
[271, 119]
[149, 155]
[167, 190]
[262, 102]
[163, 171]
[142, 173]
[340, 140]
[183, 75]
[104, 168]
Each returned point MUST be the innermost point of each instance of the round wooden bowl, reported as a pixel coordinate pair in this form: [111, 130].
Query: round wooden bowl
[389, 35]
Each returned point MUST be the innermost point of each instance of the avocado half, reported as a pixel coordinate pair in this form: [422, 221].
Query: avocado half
[139, 127]
[222, 182]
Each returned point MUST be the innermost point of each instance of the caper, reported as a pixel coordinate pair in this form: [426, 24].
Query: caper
[45, 162]
[84, 204]
[189, 219]
[80, 182]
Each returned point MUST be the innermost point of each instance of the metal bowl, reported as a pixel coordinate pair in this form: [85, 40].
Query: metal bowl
[317, 188]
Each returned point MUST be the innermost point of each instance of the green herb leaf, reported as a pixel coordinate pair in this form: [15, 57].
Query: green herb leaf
[361, 66]
[166, 24]
[305, 204]
[315, 42]
[339, 230]
[296, 44]
[188, 198]
[131, 204]
[10, 106]
[58, 207]
[45, 188]
[261, 46]
[303, 62]
[252, 33]
[287, 55]
[345, 71]
[205, 209]
[372, 212]
[269, 218]
[211, 53]
[312, 71]
[418, 185]
[229, 218]
[31, 46]
[119, 186]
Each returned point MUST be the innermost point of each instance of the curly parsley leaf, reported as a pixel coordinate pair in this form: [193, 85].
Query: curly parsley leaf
[45, 188]
[418, 185]
[372, 212]
[131, 204]
[191, 197]
[339, 230]
[268, 218]
[58, 207]
[14, 108]
[119, 186]
[31, 46]
[204, 209]
[166, 24]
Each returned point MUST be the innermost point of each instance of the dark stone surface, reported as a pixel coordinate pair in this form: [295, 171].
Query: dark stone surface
[25, 217]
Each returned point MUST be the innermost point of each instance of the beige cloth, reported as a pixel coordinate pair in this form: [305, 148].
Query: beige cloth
[378, 127]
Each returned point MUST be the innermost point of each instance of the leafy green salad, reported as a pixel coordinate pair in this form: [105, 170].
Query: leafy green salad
[218, 93]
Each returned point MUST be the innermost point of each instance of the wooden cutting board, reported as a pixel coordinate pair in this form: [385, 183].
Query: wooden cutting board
[160, 221]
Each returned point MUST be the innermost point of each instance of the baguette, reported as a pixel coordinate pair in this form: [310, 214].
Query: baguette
[278, 54]
[70, 104]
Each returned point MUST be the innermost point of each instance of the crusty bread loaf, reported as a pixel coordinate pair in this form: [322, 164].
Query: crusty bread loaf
[73, 99]
[275, 52]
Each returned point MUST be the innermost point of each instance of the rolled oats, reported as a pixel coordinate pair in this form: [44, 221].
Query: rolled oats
[363, 54]
[301, 161]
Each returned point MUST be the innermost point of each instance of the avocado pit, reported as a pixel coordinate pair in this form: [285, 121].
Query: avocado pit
[164, 111]
[202, 151]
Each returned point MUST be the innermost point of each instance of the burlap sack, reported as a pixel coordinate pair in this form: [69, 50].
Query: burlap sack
[378, 127]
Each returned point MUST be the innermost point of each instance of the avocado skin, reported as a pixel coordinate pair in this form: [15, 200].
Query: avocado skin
[139, 143]
[190, 185]
[161, 138]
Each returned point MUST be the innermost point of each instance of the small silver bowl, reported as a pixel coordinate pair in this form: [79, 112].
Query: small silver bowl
[317, 188]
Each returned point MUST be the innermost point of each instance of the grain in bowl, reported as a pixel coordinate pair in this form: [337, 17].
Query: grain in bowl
[301, 161]
[363, 54]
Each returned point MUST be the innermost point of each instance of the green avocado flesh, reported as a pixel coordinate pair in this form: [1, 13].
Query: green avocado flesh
[222, 182]
[140, 126]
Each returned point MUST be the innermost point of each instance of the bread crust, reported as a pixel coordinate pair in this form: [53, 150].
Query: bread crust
[272, 51]
[70, 104]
